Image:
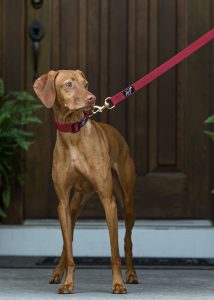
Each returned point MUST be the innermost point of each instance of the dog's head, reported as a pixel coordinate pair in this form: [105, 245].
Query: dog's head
[65, 88]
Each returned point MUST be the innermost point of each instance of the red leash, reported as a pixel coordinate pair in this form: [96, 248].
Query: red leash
[110, 102]
[173, 61]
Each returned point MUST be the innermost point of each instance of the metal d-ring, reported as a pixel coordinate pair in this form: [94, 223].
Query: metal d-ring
[100, 109]
[107, 104]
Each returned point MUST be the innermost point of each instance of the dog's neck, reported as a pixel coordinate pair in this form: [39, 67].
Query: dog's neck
[70, 118]
[66, 116]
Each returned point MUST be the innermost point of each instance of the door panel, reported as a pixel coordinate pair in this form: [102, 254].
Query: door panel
[115, 43]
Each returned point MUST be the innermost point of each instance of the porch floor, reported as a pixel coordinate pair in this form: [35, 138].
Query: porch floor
[96, 284]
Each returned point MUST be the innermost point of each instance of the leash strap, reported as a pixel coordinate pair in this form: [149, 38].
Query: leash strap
[173, 61]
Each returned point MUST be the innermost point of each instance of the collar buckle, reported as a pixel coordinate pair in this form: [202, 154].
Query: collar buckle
[75, 127]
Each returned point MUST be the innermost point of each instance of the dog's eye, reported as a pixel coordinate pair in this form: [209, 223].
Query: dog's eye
[86, 84]
[69, 84]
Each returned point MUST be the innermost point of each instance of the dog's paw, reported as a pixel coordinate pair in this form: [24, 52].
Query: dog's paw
[66, 289]
[131, 277]
[56, 278]
[119, 288]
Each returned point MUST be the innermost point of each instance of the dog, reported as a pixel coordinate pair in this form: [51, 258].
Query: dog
[83, 161]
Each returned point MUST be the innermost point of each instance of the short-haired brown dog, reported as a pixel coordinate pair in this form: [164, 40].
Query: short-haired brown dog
[83, 162]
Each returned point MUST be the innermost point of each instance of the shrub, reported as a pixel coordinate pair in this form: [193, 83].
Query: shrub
[16, 110]
[210, 120]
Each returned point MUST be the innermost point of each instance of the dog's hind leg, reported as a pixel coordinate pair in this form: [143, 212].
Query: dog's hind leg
[126, 177]
[77, 202]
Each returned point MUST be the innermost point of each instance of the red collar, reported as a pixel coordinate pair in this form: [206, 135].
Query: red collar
[73, 128]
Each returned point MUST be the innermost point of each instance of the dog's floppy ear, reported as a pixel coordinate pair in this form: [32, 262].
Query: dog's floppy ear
[44, 88]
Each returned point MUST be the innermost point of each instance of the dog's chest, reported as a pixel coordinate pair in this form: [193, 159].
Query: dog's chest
[79, 160]
[87, 153]
[75, 155]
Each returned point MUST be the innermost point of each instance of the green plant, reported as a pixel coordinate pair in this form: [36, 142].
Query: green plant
[210, 120]
[16, 110]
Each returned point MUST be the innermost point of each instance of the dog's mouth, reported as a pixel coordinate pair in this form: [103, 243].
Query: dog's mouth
[84, 109]
[88, 109]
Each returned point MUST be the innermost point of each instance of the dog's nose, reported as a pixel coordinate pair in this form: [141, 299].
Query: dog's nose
[91, 98]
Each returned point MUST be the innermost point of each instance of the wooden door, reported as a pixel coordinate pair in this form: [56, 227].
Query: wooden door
[114, 43]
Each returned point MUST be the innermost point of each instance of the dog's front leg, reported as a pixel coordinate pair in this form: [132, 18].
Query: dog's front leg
[76, 205]
[110, 207]
[64, 218]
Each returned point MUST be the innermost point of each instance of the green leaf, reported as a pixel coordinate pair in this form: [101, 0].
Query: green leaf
[29, 120]
[14, 132]
[209, 133]
[210, 119]
[4, 116]
[6, 196]
[23, 143]
[6, 164]
[2, 214]
[20, 178]
[3, 172]
[17, 109]
[20, 95]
